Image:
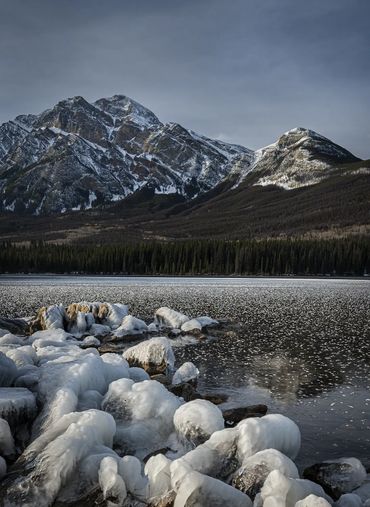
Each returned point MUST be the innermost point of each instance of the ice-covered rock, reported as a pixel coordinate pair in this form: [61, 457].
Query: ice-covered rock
[52, 459]
[186, 373]
[10, 339]
[250, 477]
[99, 330]
[337, 476]
[313, 501]
[143, 412]
[216, 457]
[200, 490]
[158, 471]
[90, 341]
[7, 446]
[130, 326]
[154, 355]
[129, 468]
[8, 371]
[23, 356]
[112, 314]
[281, 491]
[349, 500]
[138, 374]
[191, 325]
[89, 400]
[166, 317]
[196, 420]
[207, 321]
[17, 405]
[364, 490]
[273, 431]
[52, 317]
[2, 467]
[111, 483]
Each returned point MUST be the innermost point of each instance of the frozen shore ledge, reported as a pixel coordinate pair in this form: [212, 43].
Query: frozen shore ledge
[83, 426]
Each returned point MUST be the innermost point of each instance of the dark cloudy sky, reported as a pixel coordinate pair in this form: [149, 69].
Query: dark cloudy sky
[239, 70]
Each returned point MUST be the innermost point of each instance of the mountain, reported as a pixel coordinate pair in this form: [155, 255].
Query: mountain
[112, 171]
[78, 155]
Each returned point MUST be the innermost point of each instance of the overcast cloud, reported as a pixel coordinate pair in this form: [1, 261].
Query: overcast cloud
[240, 70]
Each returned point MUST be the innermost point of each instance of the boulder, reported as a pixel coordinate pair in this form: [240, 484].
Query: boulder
[337, 476]
[154, 355]
[233, 416]
[15, 326]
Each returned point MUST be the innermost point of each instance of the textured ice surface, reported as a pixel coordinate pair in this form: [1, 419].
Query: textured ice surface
[187, 372]
[154, 355]
[197, 420]
[281, 491]
[273, 431]
[130, 326]
[143, 412]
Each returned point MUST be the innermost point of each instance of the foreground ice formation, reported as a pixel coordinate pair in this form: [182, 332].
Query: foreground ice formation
[81, 425]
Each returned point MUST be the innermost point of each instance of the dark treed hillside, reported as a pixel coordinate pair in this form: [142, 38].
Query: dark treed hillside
[350, 256]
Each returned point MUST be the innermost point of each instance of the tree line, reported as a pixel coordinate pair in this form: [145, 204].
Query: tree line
[342, 256]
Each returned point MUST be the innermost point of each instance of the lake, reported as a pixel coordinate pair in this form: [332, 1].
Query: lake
[299, 345]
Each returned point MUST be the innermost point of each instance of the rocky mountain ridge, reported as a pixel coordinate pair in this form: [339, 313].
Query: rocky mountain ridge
[80, 155]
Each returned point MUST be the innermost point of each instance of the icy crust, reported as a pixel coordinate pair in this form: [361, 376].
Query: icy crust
[80, 428]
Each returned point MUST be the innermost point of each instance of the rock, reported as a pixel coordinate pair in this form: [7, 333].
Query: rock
[166, 317]
[99, 330]
[90, 341]
[154, 355]
[15, 326]
[233, 416]
[51, 317]
[186, 391]
[250, 477]
[130, 326]
[161, 378]
[337, 476]
[191, 325]
[215, 398]
[166, 500]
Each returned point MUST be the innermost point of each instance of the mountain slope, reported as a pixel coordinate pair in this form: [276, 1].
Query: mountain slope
[78, 155]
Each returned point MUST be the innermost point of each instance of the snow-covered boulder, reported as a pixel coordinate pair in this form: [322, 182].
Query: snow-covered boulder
[10, 339]
[130, 326]
[112, 314]
[349, 500]
[158, 471]
[138, 374]
[191, 325]
[364, 490]
[8, 371]
[168, 318]
[200, 490]
[196, 420]
[144, 414]
[129, 468]
[154, 355]
[22, 356]
[281, 491]
[7, 447]
[313, 501]
[337, 476]
[111, 483]
[54, 457]
[52, 317]
[273, 431]
[187, 372]
[250, 477]
[90, 341]
[17, 405]
[99, 330]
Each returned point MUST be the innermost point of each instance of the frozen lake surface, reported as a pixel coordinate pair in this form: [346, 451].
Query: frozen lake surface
[299, 345]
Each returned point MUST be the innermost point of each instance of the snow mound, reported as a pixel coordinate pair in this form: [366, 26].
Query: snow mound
[312, 501]
[186, 373]
[166, 317]
[144, 414]
[130, 326]
[52, 459]
[200, 490]
[196, 420]
[273, 431]
[154, 355]
[281, 491]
